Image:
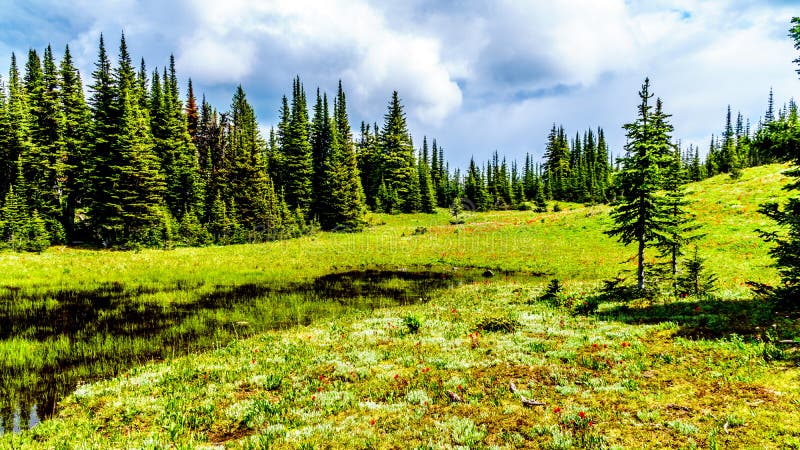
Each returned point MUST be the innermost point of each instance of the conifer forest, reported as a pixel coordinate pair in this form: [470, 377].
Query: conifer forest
[176, 273]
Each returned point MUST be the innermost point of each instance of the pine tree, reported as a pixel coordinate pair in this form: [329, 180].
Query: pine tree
[640, 215]
[475, 190]
[192, 114]
[17, 141]
[297, 154]
[428, 197]
[13, 220]
[43, 160]
[75, 140]
[556, 167]
[397, 152]
[251, 189]
[138, 186]
[99, 160]
[277, 158]
[321, 161]
[769, 116]
[7, 171]
[681, 224]
[781, 138]
[350, 192]
[175, 147]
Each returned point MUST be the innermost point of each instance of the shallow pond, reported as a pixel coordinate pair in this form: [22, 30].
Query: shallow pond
[52, 340]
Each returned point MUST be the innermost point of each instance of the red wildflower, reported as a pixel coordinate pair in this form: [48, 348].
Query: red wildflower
[321, 377]
[590, 423]
[313, 398]
[372, 422]
[697, 309]
[396, 376]
[582, 415]
[557, 409]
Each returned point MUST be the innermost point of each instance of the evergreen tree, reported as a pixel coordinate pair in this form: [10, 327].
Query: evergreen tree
[17, 141]
[192, 114]
[14, 220]
[252, 192]
[350, 193]
[475, 189]
[397, 152]
[369, 166]
[781, 138]
[7, 171]
[138, 186]
[640, 215]
[556, 166]
[428, 198]
[680, 222]
[43, 160]
[297, 154]
[100, 161]
[75, 141]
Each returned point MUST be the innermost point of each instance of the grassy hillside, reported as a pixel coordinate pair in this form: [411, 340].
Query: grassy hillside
[569, 245]
[439, 374]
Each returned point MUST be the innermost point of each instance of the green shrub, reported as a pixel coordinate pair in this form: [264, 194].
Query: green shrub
[498, 324]
[412, 323]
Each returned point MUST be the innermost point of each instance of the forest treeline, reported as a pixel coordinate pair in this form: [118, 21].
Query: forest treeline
[137, 164]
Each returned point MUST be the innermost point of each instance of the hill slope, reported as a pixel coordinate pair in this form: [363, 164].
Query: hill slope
[440, 374]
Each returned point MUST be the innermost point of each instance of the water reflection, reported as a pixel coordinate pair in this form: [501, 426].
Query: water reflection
[52, 340]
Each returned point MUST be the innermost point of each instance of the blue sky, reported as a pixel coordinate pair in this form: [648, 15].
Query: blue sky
[478, 76]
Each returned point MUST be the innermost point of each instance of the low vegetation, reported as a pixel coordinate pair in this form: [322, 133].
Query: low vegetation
[475, 361]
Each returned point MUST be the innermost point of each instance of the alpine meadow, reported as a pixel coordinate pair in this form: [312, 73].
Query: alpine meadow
[176, 273]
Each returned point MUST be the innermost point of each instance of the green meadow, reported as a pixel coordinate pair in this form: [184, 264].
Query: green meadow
[393, 338]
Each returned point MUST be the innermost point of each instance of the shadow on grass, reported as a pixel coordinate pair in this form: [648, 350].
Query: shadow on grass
[713, 318]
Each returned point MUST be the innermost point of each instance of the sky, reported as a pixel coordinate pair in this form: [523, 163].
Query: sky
[478, 76]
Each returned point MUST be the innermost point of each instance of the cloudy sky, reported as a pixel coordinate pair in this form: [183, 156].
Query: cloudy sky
[477, 75]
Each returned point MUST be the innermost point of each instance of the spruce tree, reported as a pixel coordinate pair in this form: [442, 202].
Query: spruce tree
[175, 147]
[428, 198]
[475, 191]
[252, 191]
[681, 225]
[397, 158]
[43, 160]
[640, 216]
[17, 141]
[14, 220]
[781, 138]
[7, 160]
[100, 160]
[75, 140]
[297, 154]
[138, 186]
[192, 113]
[351, 194]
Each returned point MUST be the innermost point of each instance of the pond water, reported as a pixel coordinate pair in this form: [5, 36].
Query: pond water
[50, 341]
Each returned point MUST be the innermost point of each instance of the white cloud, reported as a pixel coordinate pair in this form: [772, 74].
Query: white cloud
[477, 75]
[332, 39]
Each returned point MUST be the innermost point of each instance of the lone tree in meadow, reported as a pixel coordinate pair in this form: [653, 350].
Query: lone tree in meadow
[781, 139]
[641, 215]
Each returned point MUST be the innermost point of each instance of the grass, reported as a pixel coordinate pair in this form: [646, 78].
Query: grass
[700, 372]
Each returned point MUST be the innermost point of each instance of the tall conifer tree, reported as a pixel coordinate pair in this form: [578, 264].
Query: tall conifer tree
[640, 217]
[399, 167]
